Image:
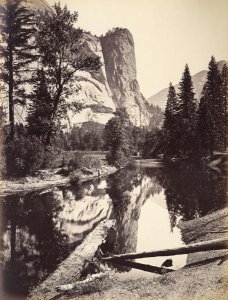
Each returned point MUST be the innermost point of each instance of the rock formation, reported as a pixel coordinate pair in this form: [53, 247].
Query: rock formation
[120, 65]
[114, 86]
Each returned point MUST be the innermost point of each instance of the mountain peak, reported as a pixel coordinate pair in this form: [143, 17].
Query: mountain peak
[198, 80]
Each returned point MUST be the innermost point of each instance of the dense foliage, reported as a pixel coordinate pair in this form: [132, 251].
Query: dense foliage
[89, 136]
[118, 135]
[211, 118]
[61, 56]
[195, 131]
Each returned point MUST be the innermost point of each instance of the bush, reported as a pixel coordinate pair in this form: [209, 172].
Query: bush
[79, 161]
[117, 158]
[75, 177]
[75, 162]
[91, 162]
[25, 154]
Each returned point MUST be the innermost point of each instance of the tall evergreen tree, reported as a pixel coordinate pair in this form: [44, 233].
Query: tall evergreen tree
[211, 116]
[17, 27]
[170, 125]
[225, 102]
[186, 116]
[61, 56]
[39, 109]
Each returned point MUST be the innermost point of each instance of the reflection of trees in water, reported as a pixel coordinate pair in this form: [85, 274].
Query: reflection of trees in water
[189, 193]
[31, 238]
[192, 193]
[41, 229]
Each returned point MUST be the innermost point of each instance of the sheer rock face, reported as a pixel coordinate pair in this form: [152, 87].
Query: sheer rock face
[114, 86]
[93, 89]
[120, 65]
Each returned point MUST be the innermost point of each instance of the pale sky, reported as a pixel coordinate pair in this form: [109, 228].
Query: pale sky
[167, 34]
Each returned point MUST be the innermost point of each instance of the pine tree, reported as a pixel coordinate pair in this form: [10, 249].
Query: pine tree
[170, 125]
[204, 126]
[61, 56]
[224, 95]
[186, 116]
[211, 117]
[40, 107]
[17, 50]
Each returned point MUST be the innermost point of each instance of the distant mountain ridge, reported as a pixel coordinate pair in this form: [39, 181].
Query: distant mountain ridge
[198, 80]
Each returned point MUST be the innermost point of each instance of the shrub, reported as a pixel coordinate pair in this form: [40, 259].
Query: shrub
[75, 177]
[91, 162]
[75, 162]
[79, 161]
[24, 155]
[117, 158]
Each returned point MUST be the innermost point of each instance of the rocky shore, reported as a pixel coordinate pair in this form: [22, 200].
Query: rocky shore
[50, 178]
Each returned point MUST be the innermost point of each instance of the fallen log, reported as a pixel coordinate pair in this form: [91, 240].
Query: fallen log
[217, 244]
[143, 267]
[69, 271]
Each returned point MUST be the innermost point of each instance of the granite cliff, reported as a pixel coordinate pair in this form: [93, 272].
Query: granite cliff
[114, 86]
[120, 65]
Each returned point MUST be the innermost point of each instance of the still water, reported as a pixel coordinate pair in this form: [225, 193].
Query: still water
[147, 200]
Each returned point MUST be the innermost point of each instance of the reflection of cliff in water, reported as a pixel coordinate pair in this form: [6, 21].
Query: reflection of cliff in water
[129, 190]
[41, 229]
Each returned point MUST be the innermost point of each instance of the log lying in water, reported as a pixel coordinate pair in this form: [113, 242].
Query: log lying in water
[143, 267]
[69, 270]
[217, 244]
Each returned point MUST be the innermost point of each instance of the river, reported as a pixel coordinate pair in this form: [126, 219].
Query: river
[147, 200]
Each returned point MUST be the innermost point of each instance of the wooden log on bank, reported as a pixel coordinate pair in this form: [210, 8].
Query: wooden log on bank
[217, 244]
[69, 271]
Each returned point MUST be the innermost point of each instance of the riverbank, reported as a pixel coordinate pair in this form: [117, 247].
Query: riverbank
[204, 277]
[51, 178]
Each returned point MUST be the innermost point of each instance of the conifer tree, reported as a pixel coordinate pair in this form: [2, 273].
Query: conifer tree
[211, 116]
[17, 50]
[225, 102]
[40, 107]
[170, 125]
[186, 116]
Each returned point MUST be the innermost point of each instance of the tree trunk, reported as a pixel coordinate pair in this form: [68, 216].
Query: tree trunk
[217, 244]
[11, 102]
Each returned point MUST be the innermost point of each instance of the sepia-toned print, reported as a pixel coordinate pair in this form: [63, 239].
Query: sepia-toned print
[113, 149]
